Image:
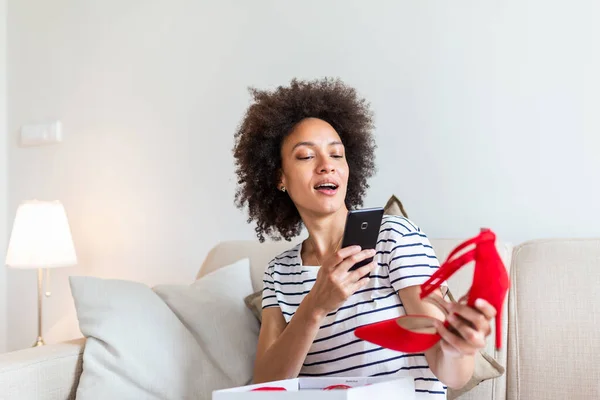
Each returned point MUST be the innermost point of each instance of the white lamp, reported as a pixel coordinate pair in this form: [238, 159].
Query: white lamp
[41, 238]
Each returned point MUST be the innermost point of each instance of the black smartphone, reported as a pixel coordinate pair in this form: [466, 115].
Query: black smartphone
[362, 229]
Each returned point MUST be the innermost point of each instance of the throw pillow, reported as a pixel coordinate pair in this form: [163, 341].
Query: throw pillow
[485, 368]
[254, 303]
[213, 311]
[394, 207]
[155, 344]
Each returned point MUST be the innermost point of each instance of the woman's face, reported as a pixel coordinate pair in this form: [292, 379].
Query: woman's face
[314, 168]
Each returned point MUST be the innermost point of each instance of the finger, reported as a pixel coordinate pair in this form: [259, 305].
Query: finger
[348, 251]
[464, 299]
[344, 253]
[439, 302]
[475, 318]
[447, 348]
[473, 337]
[485, 308]
[355, 258]
[457, 342]
[360, 284]
[360, 272]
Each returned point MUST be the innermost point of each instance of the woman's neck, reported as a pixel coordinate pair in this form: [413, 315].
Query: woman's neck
[325, 234]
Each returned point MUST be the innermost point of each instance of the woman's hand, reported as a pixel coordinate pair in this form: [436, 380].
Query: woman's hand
[335, 283]
[469, 327]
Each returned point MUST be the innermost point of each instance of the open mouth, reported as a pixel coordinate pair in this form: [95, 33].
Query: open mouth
[328, 188]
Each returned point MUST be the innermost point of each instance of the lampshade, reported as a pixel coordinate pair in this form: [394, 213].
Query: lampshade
[41, 237]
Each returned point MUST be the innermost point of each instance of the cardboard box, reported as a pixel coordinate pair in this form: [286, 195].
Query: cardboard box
[330, 388]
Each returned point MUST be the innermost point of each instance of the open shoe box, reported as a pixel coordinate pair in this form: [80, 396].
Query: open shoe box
[380, 388]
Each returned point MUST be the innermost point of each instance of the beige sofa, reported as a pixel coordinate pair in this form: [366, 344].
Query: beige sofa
[551, 325]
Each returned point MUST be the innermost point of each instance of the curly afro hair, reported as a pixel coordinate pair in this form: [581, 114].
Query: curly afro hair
[259, 138]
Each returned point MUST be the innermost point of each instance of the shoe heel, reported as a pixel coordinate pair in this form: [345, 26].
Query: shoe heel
[491, 281]
[499, 329]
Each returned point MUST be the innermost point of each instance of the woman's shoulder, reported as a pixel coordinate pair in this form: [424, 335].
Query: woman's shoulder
[398, 230]
[398, 224]
[287, 258]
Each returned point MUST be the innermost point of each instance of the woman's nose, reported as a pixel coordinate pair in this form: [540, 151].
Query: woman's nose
[326, 166]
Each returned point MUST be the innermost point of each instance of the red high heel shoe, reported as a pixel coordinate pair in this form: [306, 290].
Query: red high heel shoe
[415, 333]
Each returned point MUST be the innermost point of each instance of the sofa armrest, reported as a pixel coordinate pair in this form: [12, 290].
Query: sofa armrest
[49, 372]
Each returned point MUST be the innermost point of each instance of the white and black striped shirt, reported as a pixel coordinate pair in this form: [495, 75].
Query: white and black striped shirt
[404, 258]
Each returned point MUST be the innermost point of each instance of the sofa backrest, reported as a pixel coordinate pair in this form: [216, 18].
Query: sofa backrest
[260, 254]
[554, 320]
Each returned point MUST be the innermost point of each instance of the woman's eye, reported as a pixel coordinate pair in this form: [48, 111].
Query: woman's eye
[304, 157]
[337, 156]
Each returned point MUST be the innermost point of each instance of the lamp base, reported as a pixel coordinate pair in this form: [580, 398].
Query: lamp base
[39, 342]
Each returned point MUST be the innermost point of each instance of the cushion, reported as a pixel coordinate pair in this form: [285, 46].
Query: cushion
[394, 207]
[254, 303]
[213, 310]
[554, 314]
[173, 342]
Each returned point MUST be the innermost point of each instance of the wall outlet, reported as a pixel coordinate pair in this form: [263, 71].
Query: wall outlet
[41, 134]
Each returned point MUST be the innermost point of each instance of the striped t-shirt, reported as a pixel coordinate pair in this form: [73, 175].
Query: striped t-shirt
[404, 258]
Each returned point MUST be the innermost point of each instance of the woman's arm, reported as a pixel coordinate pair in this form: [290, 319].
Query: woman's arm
[452, 358]
[282, 349]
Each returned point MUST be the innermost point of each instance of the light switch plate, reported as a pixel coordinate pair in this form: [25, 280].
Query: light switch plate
[41, 134]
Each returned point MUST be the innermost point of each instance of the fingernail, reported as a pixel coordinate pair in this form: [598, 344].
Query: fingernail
[479, 303]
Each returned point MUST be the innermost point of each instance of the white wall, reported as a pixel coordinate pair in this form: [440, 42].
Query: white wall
[486, 115]
[4, 226]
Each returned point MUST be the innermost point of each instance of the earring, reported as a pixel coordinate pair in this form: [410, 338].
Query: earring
[283, 189]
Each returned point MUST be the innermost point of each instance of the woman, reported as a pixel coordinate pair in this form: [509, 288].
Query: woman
[303, 156]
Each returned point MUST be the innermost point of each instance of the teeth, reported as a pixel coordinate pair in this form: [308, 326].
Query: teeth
[327, 185]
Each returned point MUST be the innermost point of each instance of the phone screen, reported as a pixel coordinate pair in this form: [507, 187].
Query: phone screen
[362, 229]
